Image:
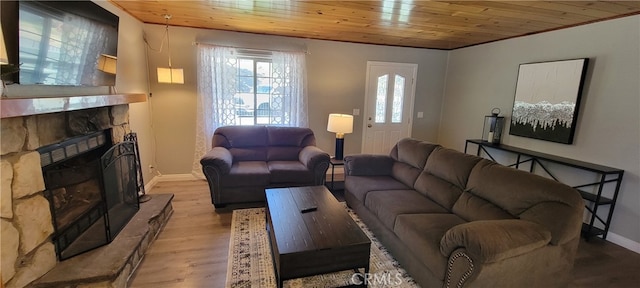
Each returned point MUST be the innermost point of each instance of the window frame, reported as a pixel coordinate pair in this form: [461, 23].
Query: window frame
[252, 110]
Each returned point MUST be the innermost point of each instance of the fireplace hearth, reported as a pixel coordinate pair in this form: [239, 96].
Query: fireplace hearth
[91, 186]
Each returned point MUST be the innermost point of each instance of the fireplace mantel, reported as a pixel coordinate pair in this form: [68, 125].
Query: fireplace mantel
[14, 107]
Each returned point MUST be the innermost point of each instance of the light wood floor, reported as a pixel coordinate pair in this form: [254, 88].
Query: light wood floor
[192, 249]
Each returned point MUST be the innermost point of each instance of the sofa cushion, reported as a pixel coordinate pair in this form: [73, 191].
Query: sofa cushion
[422, 233]
[440, 191]
[411, 156]
[412, 151]
[246, 173]
[249, 154]
[285, 143]
[405, 173]
[368, 165]
[359, 186]
[290, 136]
[473, 208]
[245, 143]
[283, 153]
[388, 204]
[289, 172]
[240, 137]
[451, 165]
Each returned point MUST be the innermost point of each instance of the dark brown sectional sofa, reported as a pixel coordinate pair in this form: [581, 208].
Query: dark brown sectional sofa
[245, 160]
[457, 220]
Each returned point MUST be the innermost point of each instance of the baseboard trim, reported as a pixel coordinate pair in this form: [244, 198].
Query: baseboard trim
[151, 183]
[624, 242]
[176, 177]
[167, 178]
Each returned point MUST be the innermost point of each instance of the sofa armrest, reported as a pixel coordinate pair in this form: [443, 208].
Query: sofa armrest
[311, 156]
[218, 157]
[368, 165]
[317, 161]
[494, 240]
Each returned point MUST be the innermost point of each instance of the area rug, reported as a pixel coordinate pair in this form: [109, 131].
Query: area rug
[250, 262]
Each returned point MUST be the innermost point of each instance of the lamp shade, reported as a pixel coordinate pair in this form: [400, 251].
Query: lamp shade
[170, 75]
[340, 123]
[107, 63]
[3, 49]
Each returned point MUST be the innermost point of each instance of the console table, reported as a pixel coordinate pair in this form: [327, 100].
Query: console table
[605, 175]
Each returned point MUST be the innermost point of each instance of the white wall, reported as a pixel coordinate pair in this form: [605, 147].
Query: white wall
[608, 127]
[336, 84]
[132, 78]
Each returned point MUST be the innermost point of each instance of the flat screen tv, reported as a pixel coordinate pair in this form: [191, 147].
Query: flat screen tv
[60, 43]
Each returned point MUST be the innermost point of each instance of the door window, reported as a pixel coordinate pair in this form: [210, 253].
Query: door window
[398, 95]
[381, 99]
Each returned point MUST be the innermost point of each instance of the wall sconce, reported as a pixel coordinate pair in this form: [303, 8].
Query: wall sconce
[170, 75]
[340, 124]
[107, 63]
[493, 125]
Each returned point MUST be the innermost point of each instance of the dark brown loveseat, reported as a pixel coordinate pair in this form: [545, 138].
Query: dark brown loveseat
[245, 160]
[457, 220]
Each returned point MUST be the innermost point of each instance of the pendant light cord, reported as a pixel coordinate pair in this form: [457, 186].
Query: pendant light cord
[165, 36]
[166, 31]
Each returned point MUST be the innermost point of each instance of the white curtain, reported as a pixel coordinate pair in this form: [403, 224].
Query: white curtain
[217, 85]
[290, 74]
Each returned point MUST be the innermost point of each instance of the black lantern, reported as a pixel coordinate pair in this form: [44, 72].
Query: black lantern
[493, 125]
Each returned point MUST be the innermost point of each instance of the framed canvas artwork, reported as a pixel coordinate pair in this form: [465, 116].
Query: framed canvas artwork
[547, 99]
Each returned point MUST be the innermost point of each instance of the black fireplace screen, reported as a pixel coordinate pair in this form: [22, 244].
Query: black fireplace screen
[92, 190]
[120, 176]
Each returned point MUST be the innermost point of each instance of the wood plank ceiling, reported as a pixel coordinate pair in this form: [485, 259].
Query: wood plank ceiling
[417, 23]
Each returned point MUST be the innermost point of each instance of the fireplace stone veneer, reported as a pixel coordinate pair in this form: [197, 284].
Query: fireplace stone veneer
[25, 218]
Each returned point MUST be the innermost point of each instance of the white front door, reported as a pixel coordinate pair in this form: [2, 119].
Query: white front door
[389, 99]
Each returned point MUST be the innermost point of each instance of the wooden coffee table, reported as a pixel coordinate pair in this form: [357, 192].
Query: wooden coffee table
[306, 243]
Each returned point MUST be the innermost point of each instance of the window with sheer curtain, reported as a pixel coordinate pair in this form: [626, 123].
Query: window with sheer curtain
[247, 87]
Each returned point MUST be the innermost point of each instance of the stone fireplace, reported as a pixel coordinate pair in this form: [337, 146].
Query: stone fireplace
[26, 218]
[27, 237]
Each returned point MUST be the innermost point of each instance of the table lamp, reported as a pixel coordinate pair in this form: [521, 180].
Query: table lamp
[340, 124]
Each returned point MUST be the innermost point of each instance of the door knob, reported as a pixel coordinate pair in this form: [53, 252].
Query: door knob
[369, 125]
